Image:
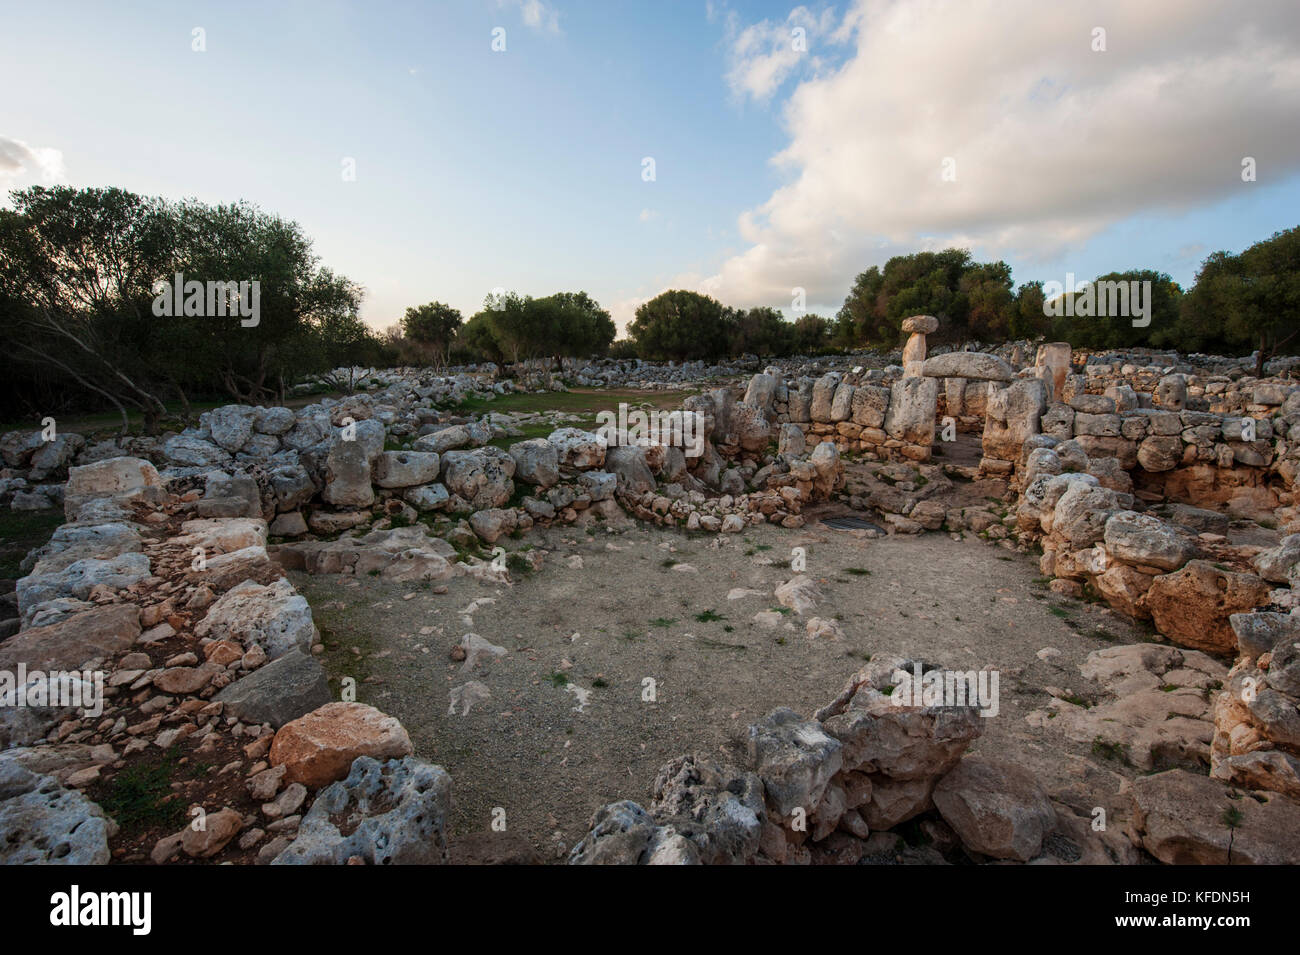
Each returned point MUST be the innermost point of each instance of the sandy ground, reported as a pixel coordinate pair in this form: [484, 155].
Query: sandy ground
[567, 728]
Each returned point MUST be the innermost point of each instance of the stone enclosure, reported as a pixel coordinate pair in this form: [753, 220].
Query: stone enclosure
[1160, 486]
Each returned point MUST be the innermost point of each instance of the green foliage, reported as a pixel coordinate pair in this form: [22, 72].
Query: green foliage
[516, 328]
[431, 328]
[79, 269]
[679, 325]
[1244, 302]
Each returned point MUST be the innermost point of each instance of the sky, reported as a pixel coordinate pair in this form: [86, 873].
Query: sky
[743, 149]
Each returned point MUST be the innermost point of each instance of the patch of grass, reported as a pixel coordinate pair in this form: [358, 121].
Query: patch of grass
[1232, 817]
[141, 797]
[558, 679]
[662, 622]
[857, 571]
[599, 683]
[1059, 612]
[708, 616]
[1077, 701]
[1116, 752]
[669, 563]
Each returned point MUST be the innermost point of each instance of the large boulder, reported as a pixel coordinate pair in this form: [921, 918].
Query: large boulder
[1192, 606]
[913, 403]
[283, 690]
[536, 462]
[1185, 818]
[967, 364]
[45, 824]
[348, 470]
[79, 578]
[578, 450]
[319, 748]
[405, 468]
[628, 464]
[115, 477]
[230, 426]
[482, 477]
[1013, 415]
[996, 808]
[74, 640]
[385, 813]
[1146, 540]
[795, 758]
[273, 616]
[1281, 564]
[192, 451]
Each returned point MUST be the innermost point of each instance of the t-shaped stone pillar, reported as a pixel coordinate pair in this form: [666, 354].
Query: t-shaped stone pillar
[914, 351]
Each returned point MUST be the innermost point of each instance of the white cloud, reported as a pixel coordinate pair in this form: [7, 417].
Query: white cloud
[764, 55]
[1052, 142]
[19, 161]
[536, 14]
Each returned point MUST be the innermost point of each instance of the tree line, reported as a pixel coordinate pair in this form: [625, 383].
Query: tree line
[82, 269]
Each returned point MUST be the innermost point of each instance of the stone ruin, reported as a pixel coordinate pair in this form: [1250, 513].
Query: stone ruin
[1124, 476]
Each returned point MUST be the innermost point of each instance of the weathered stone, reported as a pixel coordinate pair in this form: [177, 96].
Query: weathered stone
[45, 824]
[288, 687]
[536, 462]
[975, 365]
[1192, 606]
[405, 468]
[1186, 819]
[996, 808]
[385, 813]
[274, 617]
[319, 748]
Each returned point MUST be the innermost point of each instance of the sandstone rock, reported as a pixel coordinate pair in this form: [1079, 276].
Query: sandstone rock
[1186, 819]
[320, 747]
[218, 829]
[996, 808]
[1142, 539]
[1192, 606]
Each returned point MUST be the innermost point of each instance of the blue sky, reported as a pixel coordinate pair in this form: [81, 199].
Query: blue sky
[522, 169]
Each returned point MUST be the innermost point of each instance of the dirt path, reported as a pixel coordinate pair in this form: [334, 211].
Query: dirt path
[566, 728]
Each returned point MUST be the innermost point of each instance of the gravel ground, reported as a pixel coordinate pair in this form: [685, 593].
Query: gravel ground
[567, 727]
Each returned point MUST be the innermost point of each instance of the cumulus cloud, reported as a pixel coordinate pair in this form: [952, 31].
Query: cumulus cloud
[764, 55]
[18, 161]
[1049, 141]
